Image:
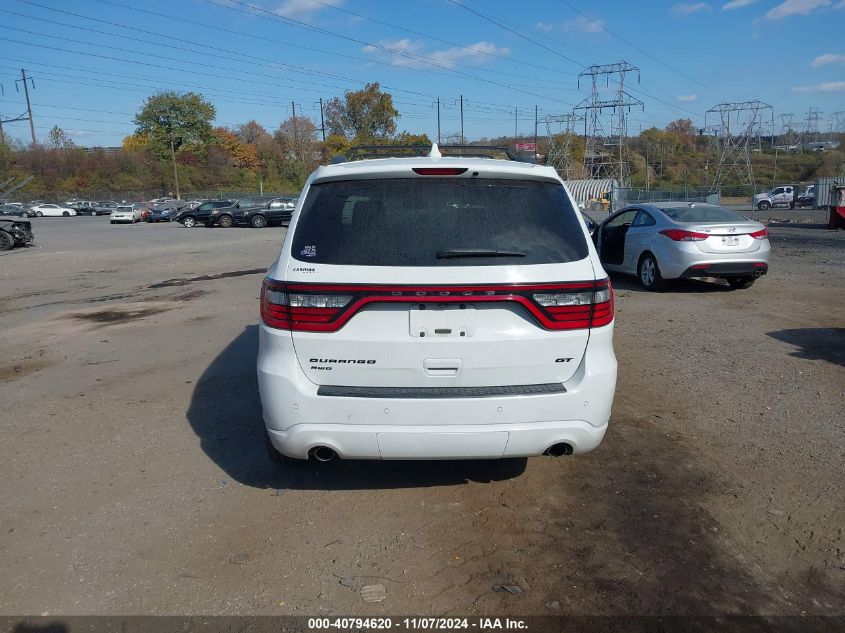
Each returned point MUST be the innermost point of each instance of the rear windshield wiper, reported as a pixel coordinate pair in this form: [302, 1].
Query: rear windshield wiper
[476, 252]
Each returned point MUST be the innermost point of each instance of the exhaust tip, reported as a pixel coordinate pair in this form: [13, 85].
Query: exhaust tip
[323, 454]
[557, 450]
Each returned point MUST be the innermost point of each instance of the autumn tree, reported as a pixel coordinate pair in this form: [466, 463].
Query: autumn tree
[242, 154]
[297, 137]
[365, 115]
[57, 138]
[251, 132]
[171, 120]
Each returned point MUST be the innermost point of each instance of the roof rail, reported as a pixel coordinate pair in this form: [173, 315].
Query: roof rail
[360, 152]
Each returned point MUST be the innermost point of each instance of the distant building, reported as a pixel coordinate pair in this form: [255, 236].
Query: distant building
[105, 150]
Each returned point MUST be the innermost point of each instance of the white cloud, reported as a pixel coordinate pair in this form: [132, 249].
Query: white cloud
[398, 51]
[830, 86]
[796, 7]
[828, 58]
[586, 25]
[687, 97]
[737, 4]
[545, 26]
[690, 8]
[303, 9]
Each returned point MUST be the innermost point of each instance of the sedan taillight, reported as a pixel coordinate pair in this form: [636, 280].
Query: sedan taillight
[680, 235]
[762, 234]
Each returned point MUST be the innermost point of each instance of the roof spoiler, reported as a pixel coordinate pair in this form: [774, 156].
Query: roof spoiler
[360, 152]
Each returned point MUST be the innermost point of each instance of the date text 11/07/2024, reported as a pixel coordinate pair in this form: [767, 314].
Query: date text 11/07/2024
[418, 624]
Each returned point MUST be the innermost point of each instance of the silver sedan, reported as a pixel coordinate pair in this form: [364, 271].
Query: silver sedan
[661, 241]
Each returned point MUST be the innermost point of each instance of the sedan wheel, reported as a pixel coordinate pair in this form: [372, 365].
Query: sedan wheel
[649, 273]
[189, 222]
[38, 214]
[25, 214]
[258, 221]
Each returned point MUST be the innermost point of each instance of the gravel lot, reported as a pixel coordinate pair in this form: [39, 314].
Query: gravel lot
[134, 479]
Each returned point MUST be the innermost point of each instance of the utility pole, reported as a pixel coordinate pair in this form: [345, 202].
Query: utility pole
[536, 149]
[438, 120]
[28, 105]
[295, 133]
[462, 119]
[515, 125]
[175, 172]
[322, 121]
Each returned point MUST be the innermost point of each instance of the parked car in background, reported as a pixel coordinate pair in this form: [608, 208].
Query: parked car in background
[240, 211]
[200, 214]
[105, 208]
[124, 214]
[159, 212]
[15, 210]
[51, 210]
[14, 233]
[657, 242]
[277, 212]
[193, 204]
[777, 197]
[807, 198]
[84, 207]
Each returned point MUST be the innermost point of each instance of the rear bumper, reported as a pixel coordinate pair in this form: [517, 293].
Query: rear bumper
[470, 441]
[298, 419]
[727, 269]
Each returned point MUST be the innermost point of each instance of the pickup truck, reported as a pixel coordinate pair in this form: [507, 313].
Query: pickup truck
[807, 198]
[782, 196]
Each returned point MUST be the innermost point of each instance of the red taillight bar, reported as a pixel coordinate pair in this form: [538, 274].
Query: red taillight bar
[762, 234]
[566, 317]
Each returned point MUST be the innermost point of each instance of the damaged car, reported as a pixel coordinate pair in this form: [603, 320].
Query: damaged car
[14, 233]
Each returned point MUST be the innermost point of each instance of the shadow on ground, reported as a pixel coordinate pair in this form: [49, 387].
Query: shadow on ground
[680, 286]
[815, 343]
[225, 413]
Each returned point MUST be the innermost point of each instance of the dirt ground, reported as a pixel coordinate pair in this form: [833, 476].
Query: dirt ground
[133, 478]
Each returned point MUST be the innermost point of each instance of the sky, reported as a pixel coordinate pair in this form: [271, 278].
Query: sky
[93, 62]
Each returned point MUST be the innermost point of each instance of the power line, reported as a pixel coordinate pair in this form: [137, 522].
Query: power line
[215, 47]
[434, 37]
[419, 58]
[510, 30]
[637, 48]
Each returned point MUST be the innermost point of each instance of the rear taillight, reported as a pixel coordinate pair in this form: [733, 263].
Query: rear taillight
[577, 310]
[679, 235]
[328, 307]
[297, 311]
[762, 234]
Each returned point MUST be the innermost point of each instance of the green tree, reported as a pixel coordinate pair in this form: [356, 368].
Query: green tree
[171, 120]
[366, 114]
[57, 138]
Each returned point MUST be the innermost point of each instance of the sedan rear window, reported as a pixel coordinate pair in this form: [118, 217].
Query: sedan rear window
[691, 215]
[438, 222]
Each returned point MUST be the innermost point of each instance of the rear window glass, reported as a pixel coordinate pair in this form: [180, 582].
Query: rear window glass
[689, 215]
[438, 222]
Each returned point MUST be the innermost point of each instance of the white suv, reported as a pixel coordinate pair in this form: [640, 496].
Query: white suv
[435, 308]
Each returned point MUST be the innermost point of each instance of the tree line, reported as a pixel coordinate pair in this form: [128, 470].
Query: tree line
[174, 128]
